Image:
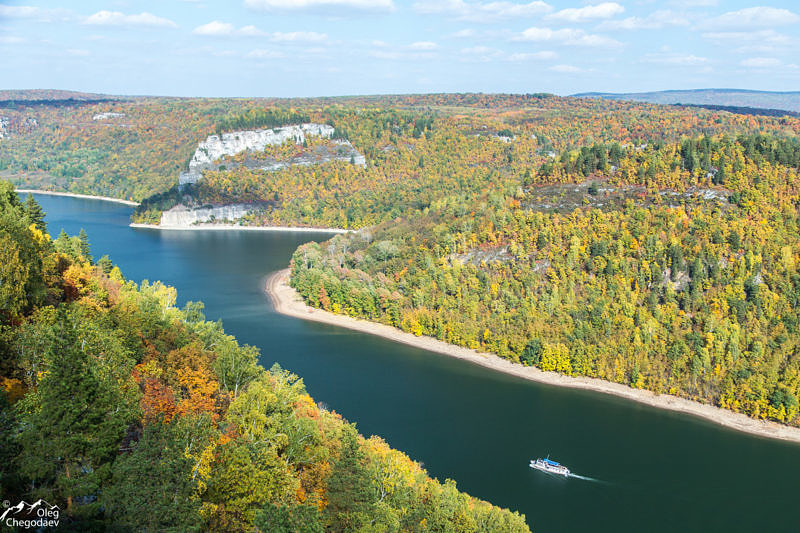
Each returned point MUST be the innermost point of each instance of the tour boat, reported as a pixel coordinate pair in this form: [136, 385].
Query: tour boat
[552, 467]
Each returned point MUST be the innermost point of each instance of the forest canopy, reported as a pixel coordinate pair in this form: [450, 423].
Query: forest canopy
[133, 414]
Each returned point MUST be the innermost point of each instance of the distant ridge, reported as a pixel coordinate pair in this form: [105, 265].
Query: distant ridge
[52, 97]
[733, 98]
[52, 94]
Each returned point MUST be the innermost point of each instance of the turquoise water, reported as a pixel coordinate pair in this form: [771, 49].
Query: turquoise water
[642, 469]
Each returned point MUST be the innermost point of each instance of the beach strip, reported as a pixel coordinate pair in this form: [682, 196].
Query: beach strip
[287, 301]
[74, 195]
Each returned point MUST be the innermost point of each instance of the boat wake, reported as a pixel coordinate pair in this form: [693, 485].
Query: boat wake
[586, 478]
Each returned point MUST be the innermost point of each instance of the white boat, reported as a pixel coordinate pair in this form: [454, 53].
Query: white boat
[546, 465]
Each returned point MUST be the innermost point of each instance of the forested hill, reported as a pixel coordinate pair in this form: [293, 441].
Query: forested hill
[417, 147]
[38, 95]
[787, 101]
[133, 415]
[423, 148]
[671, 267]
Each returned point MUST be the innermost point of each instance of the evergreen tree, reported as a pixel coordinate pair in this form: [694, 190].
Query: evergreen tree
[35, 212]
[84, 247]
[350, 490]
[152, 487]
[105, 264]
[71, 425]
[284, 519]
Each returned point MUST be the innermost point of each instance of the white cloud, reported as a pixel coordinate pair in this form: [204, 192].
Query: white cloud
[297, 5]
[250, 31]
[10, 39]
[226, 29]
[260, 53]
[762, 36]
[761, 62]
[565, 69]
[532, 56]
[695, 3]
[653, 21]
[466, 33]
[423, 45]
[753, 42]
[215, 28]
[77, 52]
[587, 13]
[298, 36]
[684, 60]
[115, 18]
[482, 11]
[753, 17]
[567, 36]
[485, 53]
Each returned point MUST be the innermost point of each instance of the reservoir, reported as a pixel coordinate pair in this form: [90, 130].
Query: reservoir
[642, 469]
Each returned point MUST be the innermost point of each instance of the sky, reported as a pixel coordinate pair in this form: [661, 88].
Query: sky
[343, 47]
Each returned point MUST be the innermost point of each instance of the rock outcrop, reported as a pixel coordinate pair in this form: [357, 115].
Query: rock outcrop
[216, 146]
[182, 216]
[104, 116]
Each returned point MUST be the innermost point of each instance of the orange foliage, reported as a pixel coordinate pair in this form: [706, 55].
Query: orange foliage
[199, 390]
[158, 402]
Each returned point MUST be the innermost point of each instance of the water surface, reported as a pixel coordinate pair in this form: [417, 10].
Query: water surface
[650, 470]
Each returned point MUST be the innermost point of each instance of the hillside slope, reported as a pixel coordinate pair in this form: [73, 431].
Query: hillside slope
[672, 267]
[130, 414]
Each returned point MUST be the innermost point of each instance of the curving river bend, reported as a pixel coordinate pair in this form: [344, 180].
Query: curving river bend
[645, 469]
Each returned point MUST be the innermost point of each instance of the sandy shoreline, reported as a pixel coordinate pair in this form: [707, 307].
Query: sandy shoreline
[288, 302]
[236, 227]
[74, 195]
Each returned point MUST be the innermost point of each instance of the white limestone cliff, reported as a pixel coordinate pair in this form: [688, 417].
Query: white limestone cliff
[182, 216]
[236, 142]
[107, 115]
[216, 146]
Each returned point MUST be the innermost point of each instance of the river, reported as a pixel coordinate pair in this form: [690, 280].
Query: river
[645, 469]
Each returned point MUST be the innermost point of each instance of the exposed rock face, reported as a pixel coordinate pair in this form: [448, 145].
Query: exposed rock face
[104, 116]
[216, 146]
[180, 215]
[17, 125]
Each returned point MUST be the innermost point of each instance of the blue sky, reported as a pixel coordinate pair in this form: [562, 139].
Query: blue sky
[337, 47]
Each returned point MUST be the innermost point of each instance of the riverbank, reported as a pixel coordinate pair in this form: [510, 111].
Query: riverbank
[236, 227]
[287, 301]
[74, 195]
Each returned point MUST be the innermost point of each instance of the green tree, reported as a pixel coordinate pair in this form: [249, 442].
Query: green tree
[235, 366]
[105, 264]
[351, 494]
[532, 353]
[288, 519]
[68, 446]
[35, 212]
[83, 247]
[151, 487]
